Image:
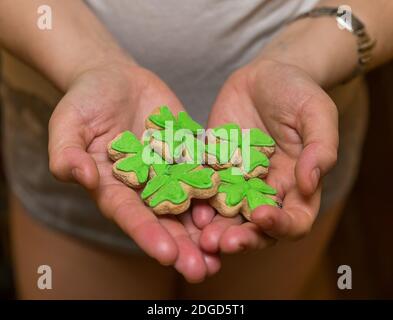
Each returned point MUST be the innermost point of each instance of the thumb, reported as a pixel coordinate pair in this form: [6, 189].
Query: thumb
[318, 128]
[68, 141]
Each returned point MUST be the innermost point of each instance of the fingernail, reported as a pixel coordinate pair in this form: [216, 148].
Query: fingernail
[315, 175]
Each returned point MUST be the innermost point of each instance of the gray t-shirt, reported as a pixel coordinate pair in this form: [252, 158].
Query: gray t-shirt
[193, 46]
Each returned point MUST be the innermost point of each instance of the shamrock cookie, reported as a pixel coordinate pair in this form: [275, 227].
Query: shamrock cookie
[238, 195]
[249, 151]
[172, 186]
[133, 159]
[174, 138]
[122, 145]
[231, 132]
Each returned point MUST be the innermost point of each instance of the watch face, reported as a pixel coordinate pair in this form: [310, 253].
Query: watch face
[344, 18]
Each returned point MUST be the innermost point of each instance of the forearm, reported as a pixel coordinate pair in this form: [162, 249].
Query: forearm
[327, 53]
[77, 41]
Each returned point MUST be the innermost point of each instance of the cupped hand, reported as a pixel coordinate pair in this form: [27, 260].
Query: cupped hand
[285, 102]
[101, 103]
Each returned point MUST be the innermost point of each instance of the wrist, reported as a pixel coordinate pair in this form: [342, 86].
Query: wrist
[318, 47]
[114, 59]
[314, 70]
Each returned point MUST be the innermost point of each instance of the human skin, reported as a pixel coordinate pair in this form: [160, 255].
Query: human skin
[303, 122]
[281, 92]
[107, 92]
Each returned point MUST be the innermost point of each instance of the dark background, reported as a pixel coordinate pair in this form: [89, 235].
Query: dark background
[364, 237]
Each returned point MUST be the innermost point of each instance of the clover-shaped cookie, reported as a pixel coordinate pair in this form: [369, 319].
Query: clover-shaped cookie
[161, 115]
[181, 146]
[249, 150]
[174, 138]
[238, 195]
[169, 188]
[133, 159]
[125, 143]
[172, 186]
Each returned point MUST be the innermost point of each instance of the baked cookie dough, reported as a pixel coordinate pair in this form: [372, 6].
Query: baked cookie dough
[238, 195]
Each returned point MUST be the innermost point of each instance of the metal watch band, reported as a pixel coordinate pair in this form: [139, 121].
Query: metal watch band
[365, 44]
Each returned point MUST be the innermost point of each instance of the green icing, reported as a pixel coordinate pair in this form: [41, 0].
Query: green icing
[184, 121]
[180, 140]
[160, 169]
[233, 133]
[255, 159]
[231, 175]
[234, 193]
[127, 143]
[165, 186]
[134, 164]
[236, 188]
[259, 185]
[139, 163]
[222, 151]
[172, 191]
[164, 116]
[258, 138]
[256, 199]
[179, 137]
[179, 169]
[199, 179]
[230, 131]
[226, 131]
[154, 185]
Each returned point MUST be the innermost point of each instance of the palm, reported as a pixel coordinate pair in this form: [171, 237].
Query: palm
[273, 100]
[99, 106]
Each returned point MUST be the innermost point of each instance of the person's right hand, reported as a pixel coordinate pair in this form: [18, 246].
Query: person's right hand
[287, 103]
[101, 103]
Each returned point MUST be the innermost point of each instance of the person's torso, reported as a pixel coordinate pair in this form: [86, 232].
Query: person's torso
[193, 47]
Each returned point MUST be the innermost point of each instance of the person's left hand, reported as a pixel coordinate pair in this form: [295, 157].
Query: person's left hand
[286, 103]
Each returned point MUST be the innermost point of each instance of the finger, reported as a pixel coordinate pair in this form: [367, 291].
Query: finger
[68, 140]
[244, 237]
[293, 221]
[202, 213]
[190, 262]
[318, 127]
[212, 261]
[212, 233]
[124, 206]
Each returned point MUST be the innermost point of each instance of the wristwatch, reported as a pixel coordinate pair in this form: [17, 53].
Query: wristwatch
[353, 25]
